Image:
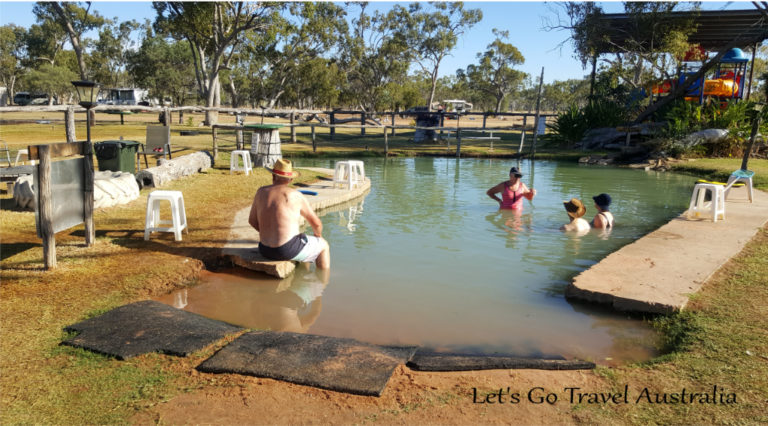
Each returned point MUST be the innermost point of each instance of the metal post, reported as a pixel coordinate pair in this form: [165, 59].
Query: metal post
[538, 114]
[362, 123]
[293, 126]
[522, 134]
[214, 133]
[393, 123]
[333, 122]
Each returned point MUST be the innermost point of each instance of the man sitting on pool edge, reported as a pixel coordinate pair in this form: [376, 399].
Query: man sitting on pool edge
[275, 214]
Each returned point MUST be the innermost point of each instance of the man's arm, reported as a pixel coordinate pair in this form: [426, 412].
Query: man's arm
[253, 218]
[310, 216]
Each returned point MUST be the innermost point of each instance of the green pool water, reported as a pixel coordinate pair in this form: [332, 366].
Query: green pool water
[427, 258]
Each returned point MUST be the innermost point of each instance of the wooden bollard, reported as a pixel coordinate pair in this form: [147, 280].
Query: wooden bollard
[90, 230]
[293, 127]
[46, 207]
[333, 129]
[458, 143]
[386, 143]
[362, 123]
[214, 132]
[314, 142]
[69, 119]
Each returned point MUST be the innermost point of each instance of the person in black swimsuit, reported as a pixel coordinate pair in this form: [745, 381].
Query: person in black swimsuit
[603, 218]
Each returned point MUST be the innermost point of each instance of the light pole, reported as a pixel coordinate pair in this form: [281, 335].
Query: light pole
[88, 92]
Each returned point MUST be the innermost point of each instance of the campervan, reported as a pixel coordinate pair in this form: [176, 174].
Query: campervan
[126, 96]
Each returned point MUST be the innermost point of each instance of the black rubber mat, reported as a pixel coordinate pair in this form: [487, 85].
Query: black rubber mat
[455, 362]
[344, 365]
[145, 327]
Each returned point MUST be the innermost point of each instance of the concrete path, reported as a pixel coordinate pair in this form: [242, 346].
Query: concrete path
[658, 272]
[244, 240]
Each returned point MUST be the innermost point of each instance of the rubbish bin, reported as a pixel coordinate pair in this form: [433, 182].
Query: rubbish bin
[117, 156]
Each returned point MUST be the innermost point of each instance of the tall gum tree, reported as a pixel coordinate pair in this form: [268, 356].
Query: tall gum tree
[433, 31]
[76, 21]
[215, 32]
[494, 74]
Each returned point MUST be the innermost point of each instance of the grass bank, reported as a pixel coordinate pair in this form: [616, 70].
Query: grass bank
[720, 341]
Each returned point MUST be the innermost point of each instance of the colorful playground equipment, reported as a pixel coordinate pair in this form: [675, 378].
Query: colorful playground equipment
[726, 81]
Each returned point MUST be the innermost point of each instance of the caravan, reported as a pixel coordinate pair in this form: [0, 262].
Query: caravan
[126, 96]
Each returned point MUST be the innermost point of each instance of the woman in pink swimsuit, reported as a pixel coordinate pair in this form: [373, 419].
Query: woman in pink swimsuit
[512, 192]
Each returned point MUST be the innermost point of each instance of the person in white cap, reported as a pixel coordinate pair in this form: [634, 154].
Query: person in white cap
[275, 213]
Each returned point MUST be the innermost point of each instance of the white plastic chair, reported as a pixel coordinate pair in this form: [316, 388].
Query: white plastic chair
[178, 220]
[715, 208]
[350, 173]
[743, 176]
[234, 162]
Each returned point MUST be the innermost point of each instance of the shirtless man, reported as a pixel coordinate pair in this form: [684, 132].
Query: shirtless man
[275, 214]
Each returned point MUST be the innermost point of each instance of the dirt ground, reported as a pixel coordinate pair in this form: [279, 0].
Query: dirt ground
[411, 397]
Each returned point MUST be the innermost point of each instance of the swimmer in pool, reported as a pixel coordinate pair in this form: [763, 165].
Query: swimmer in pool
[575, 210]
[512, 192]
[603, 218]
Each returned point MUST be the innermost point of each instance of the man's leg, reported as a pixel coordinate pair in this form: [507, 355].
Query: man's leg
[323, 261]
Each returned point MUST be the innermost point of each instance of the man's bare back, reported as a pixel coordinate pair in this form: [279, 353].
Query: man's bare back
[276, 212]
[277, 209]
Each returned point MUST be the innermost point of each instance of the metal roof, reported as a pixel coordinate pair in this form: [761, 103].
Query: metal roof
[715, 28]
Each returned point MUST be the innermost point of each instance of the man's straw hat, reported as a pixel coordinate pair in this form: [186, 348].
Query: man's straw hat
[283, 168]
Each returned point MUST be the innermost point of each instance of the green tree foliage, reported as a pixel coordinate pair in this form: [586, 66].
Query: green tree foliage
[215, 32]
[12, 43]
[375, 58]
[54, 80]
[108, 59]
[44, 43]
[273, 60]
[432, 32]
[494, 74]
[163, 67]
[75, 20]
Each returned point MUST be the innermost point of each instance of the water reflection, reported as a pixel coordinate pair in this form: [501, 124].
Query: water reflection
[254, 300]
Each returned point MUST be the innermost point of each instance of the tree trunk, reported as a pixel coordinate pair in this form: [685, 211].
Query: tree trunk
[213, 100]
[170, 170]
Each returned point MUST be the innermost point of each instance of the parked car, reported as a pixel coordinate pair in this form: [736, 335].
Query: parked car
[26, 98]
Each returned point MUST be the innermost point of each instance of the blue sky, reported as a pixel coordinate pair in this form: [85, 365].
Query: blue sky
[523, 20]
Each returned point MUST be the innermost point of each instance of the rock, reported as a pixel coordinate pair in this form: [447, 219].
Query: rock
[584, 160]
[704, 136]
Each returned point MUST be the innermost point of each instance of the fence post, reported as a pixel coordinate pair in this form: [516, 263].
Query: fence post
[485, 117]
[314, 142]
[362, 123]
[215, 132]
[90, 231]
[393, 123]
[293, 126]
[239, 138]
[333, 122]
[538, 114]
[69, 120]
[386, 142]
[458, 143]
[46, 207]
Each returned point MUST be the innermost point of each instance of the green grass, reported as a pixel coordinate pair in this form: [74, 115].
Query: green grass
[718, 169]
[720, 341]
